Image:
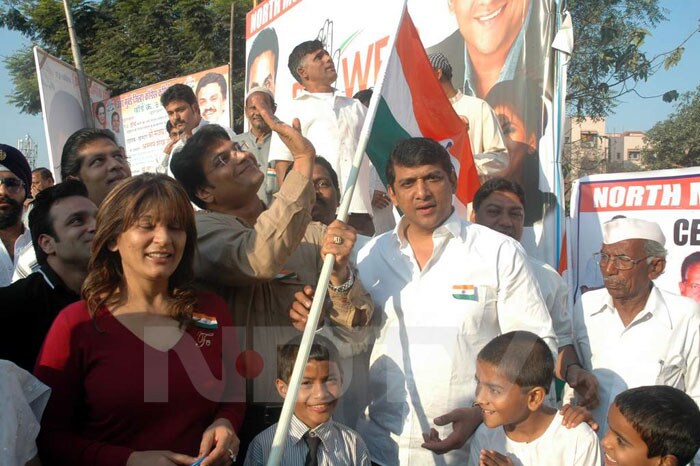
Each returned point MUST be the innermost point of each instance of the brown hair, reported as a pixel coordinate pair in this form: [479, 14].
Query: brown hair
[119, 211]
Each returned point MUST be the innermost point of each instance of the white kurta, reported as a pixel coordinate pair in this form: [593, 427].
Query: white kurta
[557, 446]
[8, 265]
[556, 296]
[476, 285]
[333, 123]
[661, 346]
[485, 135]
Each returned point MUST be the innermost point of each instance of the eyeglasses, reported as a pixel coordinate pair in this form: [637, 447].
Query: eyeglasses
[12, 185]
[620, 262]
[222, 159]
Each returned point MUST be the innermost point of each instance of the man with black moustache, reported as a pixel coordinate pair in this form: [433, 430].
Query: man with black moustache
[15, 182]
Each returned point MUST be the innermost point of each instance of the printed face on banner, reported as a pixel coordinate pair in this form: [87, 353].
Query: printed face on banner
[211, 102]
[490, 28]
[262, 71]
[690, 284]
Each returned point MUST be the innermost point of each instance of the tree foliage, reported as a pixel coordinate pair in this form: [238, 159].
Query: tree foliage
[675, 141]
[609, 59]
[127, 44]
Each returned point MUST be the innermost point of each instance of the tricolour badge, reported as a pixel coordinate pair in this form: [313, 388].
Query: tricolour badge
[465, 292]
[204, 321]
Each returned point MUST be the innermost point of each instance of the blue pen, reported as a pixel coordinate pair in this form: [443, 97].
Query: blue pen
[199, 461]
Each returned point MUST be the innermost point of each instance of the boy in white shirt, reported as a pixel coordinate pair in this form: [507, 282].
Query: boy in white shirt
[514, 372]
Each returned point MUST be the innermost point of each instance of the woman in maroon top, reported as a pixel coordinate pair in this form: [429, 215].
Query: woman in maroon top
[138, 370]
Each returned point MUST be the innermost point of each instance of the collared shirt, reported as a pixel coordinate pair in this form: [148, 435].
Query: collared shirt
[8, 265]
[512, 59]
[163, 165]
[261, 150]
[258, 269]
[661, 346]
[556, 295]
[340, 445]
[332, 122]
[476, 285]
[29, 307]
[485, 135]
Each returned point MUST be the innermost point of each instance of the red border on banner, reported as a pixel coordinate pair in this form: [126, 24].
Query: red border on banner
[641, 194]
[262, 15]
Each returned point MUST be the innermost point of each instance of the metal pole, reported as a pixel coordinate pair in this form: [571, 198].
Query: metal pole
[77, 59]
[230, 70]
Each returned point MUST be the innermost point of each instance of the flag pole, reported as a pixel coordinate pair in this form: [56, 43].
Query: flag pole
[282, 430]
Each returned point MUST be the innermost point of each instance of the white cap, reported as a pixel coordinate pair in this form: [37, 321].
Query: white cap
[621, 229]
[262, 89]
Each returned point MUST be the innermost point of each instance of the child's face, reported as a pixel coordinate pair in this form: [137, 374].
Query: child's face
[502, 402]
[623, 445]
[318, 394]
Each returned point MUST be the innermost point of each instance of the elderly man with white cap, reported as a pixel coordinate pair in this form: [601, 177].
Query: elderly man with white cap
[257, 141]
[632, 333]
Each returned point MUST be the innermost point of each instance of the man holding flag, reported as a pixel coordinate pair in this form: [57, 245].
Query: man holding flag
[446, 287]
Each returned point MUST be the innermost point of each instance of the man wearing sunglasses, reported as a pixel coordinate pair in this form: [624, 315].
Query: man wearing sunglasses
[15, 182]
[631, 333]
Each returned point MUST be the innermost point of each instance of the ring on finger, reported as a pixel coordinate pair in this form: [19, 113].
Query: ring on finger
[337, 240]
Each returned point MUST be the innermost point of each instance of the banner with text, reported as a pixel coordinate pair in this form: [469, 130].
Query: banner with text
[61, 105]
[514, 38]
[669, 197]
[138, 119]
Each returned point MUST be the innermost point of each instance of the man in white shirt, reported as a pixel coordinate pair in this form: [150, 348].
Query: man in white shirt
[631, 333]
[15, 182]
[500, 205]
[180, 102]
[446, 288]
[485, 135]
[331, 121]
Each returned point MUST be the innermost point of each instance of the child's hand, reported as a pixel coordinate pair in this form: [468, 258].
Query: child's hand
[575, 415]
[493, 458]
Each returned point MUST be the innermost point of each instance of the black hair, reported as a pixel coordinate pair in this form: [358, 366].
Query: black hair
[364, 96]
[70, 160]
[497, 184]
[327, 165]
[264, 41]
[522, 358]
[40, 220]
[97, 107]
[414, 152]
[667, 419]
[524, 98]
[688, 262]
[168, 127]
[212, 78]
[44, 172]
[186, 164]
[298, 54]
[322, 349]
[178, 92]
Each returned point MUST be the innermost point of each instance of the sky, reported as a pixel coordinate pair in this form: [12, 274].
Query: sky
[634, 113]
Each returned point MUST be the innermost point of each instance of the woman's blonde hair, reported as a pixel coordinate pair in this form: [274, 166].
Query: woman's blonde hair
[121, 209]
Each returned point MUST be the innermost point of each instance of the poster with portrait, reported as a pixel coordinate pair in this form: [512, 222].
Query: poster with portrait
[138, 119]
[499, 53]
[61, 105]
[669, 197]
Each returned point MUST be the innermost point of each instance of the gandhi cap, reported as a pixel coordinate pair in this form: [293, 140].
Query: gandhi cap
[262, 89]
[621, 229]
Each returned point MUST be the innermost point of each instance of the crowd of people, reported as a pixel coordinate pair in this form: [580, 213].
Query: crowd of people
[160, 314]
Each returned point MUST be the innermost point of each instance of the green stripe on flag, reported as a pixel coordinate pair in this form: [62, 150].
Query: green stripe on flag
[386, 132]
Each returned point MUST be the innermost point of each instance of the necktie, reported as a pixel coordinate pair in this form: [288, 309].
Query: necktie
[312, 441]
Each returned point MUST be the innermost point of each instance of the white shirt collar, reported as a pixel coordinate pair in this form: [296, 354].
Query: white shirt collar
[655, 306]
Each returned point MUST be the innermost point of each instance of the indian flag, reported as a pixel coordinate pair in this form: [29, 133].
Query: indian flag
[465, 292]
[204, 321]
[411, 103]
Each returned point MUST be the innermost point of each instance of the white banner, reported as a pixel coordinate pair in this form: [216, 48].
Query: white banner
[670, 198]
[61, 105]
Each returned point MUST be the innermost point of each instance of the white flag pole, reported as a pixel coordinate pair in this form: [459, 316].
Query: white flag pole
[321, 287]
